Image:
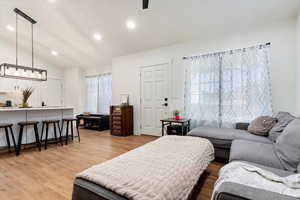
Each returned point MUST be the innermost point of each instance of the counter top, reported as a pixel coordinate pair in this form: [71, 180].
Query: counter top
[6, 109]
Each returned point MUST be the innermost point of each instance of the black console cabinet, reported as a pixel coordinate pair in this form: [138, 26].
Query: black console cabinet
[94, 121]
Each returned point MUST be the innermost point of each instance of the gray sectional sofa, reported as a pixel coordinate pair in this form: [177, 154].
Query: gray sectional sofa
[222, 138]
[278, 153]
[234, 191]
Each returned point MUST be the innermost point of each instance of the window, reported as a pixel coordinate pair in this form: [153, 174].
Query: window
[228, 87]
[92, 94]
[104, 94]
[99, 94]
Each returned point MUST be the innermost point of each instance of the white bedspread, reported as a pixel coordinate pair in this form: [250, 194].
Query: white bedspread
[252, 176]
[165, 169]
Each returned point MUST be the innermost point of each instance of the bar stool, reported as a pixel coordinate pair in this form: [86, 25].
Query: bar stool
[70, 123]
[54, 123]
[6, 127]
[36, 133]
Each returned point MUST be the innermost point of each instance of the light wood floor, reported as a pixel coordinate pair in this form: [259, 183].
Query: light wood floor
[49, 175]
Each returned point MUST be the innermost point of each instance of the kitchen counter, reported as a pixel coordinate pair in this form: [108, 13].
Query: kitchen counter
[34, 108]
[15, 115]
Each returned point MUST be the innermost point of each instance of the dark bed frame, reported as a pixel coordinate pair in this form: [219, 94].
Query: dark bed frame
[85, 190]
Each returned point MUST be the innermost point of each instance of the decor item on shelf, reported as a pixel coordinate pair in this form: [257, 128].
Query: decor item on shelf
[124, 99]
[8, 103]
[26, 94]
[177, 130]
[176, 114]
[18, 71]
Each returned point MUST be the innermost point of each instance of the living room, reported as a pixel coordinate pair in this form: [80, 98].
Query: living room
[218, 80]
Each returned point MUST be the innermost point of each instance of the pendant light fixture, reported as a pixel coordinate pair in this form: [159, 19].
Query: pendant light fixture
[23, 72]
[145, 4]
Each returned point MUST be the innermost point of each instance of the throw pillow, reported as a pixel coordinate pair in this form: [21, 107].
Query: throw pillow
[262, 125]
[287, 146]
[283, 118]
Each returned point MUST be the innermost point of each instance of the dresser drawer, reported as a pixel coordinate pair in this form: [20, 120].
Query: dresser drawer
[117, 114]
[116, 109]
[117, 118]
[117, 122]
[116, 131]
[117, 127]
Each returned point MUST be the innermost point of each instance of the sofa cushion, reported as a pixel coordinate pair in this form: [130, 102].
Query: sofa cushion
[279, 172]
[223, 137]
[256, 152]
[287, 146]
[283, 119]
[262, 125]
[235, 191]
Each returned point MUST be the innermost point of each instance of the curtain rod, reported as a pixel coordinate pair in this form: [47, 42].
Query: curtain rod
[188, 57]
[97, 75]
[25, 16]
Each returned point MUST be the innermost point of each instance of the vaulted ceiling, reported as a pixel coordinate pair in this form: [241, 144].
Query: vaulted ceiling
[68, 26]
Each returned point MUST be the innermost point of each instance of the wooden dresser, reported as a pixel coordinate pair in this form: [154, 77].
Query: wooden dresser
[121, 120]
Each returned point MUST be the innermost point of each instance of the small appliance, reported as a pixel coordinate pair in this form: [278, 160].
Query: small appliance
[8, 103]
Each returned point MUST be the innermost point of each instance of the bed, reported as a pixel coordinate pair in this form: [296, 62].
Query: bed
[167, 168]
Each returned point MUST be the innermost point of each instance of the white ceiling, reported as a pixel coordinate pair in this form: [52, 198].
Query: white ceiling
[67, 26]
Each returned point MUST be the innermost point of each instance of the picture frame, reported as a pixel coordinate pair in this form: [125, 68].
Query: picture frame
[124, 99]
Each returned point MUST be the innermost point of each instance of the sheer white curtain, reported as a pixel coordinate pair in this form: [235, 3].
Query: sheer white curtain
[202, 90]
[246, 85]
[105, 93]
[99, 94]
[227, 87]
[92, 94]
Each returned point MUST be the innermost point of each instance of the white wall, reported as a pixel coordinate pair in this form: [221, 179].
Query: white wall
[7, 55]
[98, 70]
[282, 35]
[298, 64]
[74, 88]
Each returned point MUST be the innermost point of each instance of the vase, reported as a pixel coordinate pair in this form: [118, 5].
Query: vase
[25, 105]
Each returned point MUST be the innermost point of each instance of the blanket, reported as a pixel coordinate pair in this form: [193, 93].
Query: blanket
[165, 169]
[252, 176]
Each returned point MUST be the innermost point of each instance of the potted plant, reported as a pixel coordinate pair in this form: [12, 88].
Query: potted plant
[176, 114]
[26, 93]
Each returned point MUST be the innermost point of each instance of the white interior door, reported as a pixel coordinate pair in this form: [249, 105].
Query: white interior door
[154, 98]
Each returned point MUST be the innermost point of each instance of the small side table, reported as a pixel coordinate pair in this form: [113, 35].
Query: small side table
[170, 121]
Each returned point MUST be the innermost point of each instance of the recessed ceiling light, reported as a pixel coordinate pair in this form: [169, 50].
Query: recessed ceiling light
[51, 1]
[131, 24]
[97, 36]
[54, 53]
[10, 28]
